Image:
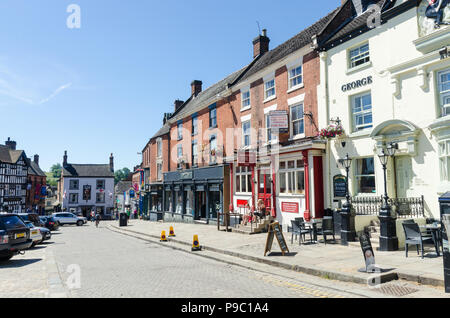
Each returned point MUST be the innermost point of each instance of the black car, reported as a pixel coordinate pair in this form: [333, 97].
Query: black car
[32, 217]
[14, 236]
[50, 223]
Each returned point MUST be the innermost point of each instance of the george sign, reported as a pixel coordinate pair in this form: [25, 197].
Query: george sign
[340, 186]
[278, 119]
[289, 207]
[275, 230]
[367, 250]
[356, 84]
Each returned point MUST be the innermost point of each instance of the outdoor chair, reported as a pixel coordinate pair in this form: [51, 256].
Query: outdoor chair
[306, 229]
[413, 236]
[425, 233]
[326, 229]
[298, 229]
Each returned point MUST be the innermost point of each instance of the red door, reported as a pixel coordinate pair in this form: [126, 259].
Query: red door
[265, 187]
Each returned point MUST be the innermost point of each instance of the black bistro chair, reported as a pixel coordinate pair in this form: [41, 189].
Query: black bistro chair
[299, 229]
[413, 236]
[327, 229]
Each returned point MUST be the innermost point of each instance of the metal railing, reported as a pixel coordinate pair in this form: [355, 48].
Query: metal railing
[402, 207]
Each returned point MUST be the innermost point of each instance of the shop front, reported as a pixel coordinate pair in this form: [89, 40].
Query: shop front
[195, 195]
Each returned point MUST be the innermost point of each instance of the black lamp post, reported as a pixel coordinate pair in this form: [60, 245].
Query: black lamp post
[348, 232]
[388, 231]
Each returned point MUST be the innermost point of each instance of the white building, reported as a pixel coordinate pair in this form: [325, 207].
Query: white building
[388, 84]
[87, 187]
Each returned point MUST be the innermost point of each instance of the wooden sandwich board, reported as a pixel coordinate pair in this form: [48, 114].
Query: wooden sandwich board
[275, 230]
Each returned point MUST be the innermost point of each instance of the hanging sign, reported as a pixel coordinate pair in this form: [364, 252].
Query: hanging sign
[278, 119]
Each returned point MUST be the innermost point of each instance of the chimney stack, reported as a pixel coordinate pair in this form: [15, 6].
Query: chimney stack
[196, 87]
[11, 144]
[111, 163]
[178, 103]
[65, 158]
[36, 159]
[261, 44]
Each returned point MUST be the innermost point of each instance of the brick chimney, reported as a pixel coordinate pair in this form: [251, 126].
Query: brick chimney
[111, 163]
[261, 44]
[178, 103]
[36, 159]
[11, 144]
[65, 158]
[196, 87]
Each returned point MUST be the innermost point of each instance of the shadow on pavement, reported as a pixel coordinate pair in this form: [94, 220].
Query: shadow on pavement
[15, 263]
[281, 254]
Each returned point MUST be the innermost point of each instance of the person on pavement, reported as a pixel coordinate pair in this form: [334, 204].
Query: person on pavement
[97, 219]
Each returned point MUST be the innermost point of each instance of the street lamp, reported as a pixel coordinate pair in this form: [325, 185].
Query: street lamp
[388, 232]
[348, 232]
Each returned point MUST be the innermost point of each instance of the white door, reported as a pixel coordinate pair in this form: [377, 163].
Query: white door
[403, 177]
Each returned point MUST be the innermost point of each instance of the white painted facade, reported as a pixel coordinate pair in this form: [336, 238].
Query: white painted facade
[406, 108]
[107, 206]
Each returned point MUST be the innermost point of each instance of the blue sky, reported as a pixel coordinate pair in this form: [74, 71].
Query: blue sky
[103, 88]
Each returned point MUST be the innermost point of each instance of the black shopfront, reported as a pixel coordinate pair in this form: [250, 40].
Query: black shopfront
[155, 200]
[195, 194]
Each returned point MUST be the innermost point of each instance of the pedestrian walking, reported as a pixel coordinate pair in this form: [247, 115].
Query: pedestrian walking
[92, 216]
[97, 219]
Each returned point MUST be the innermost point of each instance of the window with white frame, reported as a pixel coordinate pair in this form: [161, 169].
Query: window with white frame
[365, 175]
[159, 147]
[292, 177]
[296, 76]
[245, 99]
[362, 111]
[159, 171]
[212, 149]
[213, 117]
[194, 125]
[180, 131]
[270, 135]
[194, 153]
[243, 180]
[444, 159]
[179, 155]
[246, 137]
[444, 91]
[359, 55]
[297, 120]
[269, 88]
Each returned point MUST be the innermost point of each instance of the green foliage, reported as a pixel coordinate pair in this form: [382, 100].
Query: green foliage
[56, 170]
[121, 174]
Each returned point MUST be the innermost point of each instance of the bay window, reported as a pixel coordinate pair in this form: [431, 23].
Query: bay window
[292, 177]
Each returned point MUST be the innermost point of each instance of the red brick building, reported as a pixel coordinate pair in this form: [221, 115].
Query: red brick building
[221, 152]
[36, 188]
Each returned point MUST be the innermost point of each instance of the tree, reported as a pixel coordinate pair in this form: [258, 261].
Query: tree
[121, 174]
[56, 170]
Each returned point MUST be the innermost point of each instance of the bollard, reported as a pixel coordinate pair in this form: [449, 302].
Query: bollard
[196, 244]
[171, 232]
[163, 237]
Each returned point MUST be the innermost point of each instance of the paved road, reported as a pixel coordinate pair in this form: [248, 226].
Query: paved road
[115, 265]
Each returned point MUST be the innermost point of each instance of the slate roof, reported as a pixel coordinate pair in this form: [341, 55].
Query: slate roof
[34, 169]
[163, 131]
[295, 43]
[122, 186]
[9, 156]
[87, 170]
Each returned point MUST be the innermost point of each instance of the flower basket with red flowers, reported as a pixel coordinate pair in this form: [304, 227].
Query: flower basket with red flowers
[332, 131]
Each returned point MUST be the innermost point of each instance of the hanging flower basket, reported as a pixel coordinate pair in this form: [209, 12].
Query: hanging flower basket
[332, 131]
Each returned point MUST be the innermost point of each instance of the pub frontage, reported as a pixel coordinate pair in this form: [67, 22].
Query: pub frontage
[196, 195]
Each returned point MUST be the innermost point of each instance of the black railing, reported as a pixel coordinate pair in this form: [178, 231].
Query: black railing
[402, 207]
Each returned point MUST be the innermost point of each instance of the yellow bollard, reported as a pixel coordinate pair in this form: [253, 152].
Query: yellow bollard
[171, 232]
[196, 244]
[163, 237]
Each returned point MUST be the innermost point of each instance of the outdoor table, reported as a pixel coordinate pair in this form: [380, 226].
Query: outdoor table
[313, 223]
[435, 234]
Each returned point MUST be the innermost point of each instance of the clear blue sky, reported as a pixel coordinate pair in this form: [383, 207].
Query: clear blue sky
[103, 88]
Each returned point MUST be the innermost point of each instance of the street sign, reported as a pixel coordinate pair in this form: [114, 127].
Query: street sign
[275, 230]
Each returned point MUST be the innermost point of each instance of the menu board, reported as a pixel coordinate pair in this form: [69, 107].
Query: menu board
[340, 186]
[275, 230]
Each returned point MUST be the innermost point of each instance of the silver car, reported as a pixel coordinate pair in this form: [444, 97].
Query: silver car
[69, 218]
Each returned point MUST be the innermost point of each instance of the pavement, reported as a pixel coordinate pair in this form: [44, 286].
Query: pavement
[331, 261]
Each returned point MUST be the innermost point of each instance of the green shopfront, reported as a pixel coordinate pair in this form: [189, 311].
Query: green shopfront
[196, 194]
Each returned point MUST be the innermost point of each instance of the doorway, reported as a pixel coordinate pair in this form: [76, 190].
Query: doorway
[403, 176]
[200, 205]
[264, 191]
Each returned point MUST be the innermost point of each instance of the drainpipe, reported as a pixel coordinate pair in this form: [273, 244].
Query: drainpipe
[231, 208]
[307, 214]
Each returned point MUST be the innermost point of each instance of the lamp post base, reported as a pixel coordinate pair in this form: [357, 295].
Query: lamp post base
[388, 230]
[348, 232]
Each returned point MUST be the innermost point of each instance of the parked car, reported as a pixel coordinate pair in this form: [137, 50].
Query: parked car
[14, 236]
[35, 233]
[31, 217]
[50, 222]
[46, 234]
[69, 218]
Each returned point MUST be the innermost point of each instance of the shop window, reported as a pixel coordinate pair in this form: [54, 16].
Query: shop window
[444, 91]
[292, 177]
[189, 202]
[243, 180]
[168, 201]
[359, 56]
[362, 111]
[365, 175]
[179, 198]
[295, 76]
[444, 160]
